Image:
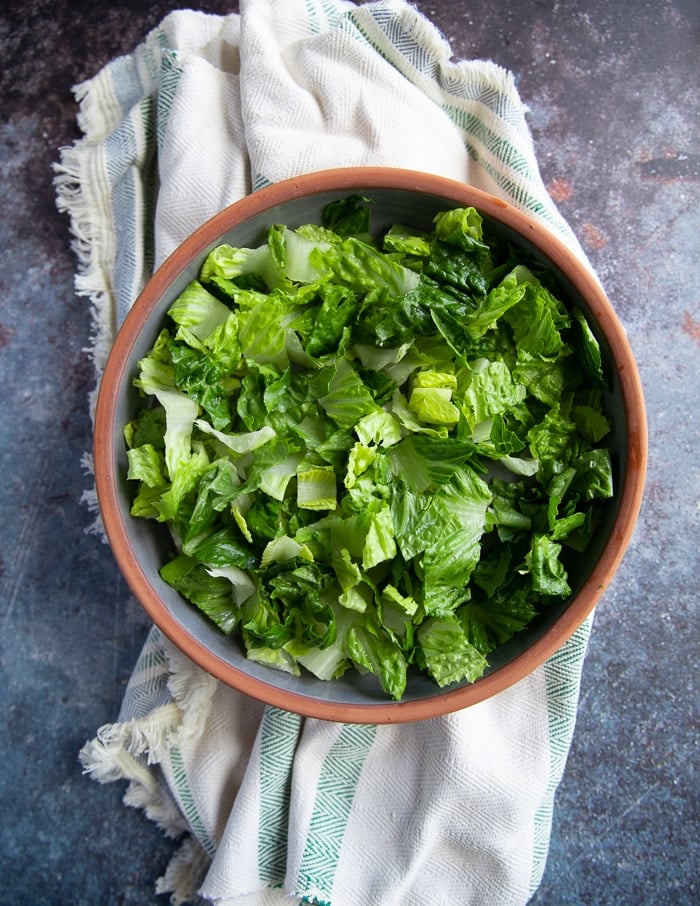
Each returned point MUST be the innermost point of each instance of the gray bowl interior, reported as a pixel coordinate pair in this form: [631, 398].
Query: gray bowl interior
[152, 541]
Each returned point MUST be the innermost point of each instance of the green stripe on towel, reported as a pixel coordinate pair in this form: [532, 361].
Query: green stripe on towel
[335, 795]
[186, 801]
[279, 734]
[562, 680]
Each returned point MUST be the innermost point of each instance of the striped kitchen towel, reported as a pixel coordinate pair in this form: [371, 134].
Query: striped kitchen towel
[271, 807]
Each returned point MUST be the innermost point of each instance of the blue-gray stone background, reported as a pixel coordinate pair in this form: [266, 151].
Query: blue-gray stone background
[612, 89]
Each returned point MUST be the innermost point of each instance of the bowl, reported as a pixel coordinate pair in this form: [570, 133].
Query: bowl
[141, 547]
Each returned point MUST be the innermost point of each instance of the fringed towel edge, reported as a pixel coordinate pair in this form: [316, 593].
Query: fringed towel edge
[129, 750]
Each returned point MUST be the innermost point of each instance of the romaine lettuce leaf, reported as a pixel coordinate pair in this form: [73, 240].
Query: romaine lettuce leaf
[197, 313]
[372, 649]
[348, 399]
[491, 391]
[348, 216]
[449, 656]
[537, 321]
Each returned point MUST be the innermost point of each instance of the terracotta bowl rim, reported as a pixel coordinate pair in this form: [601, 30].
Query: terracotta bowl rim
[366, 179]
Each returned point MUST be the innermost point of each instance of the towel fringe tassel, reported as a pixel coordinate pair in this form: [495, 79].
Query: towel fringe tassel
[92, 244]
[107, 759]
[92, 241]
[185, 873]
[192, 689]
[127, 751]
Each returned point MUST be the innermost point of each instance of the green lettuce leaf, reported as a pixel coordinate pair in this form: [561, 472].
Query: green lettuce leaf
[449, 656]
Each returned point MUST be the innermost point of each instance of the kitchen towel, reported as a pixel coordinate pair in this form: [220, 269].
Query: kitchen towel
[271, 807]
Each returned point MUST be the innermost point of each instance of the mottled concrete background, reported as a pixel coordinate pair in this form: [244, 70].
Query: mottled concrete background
[613, 93]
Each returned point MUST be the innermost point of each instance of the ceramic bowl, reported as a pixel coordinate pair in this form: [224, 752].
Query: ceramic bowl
[141, 547]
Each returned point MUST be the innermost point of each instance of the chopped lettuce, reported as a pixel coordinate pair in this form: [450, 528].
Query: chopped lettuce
[372, 452]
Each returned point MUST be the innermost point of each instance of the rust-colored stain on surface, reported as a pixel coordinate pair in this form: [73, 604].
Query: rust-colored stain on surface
[593, 237]
[691, 327]
[5, 336]
[672, 166]
[559, 190]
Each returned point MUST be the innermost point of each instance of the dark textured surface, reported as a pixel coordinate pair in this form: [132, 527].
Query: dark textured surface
[613, 94]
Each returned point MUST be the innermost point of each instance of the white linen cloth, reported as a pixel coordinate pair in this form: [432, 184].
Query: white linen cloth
[272, 807]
